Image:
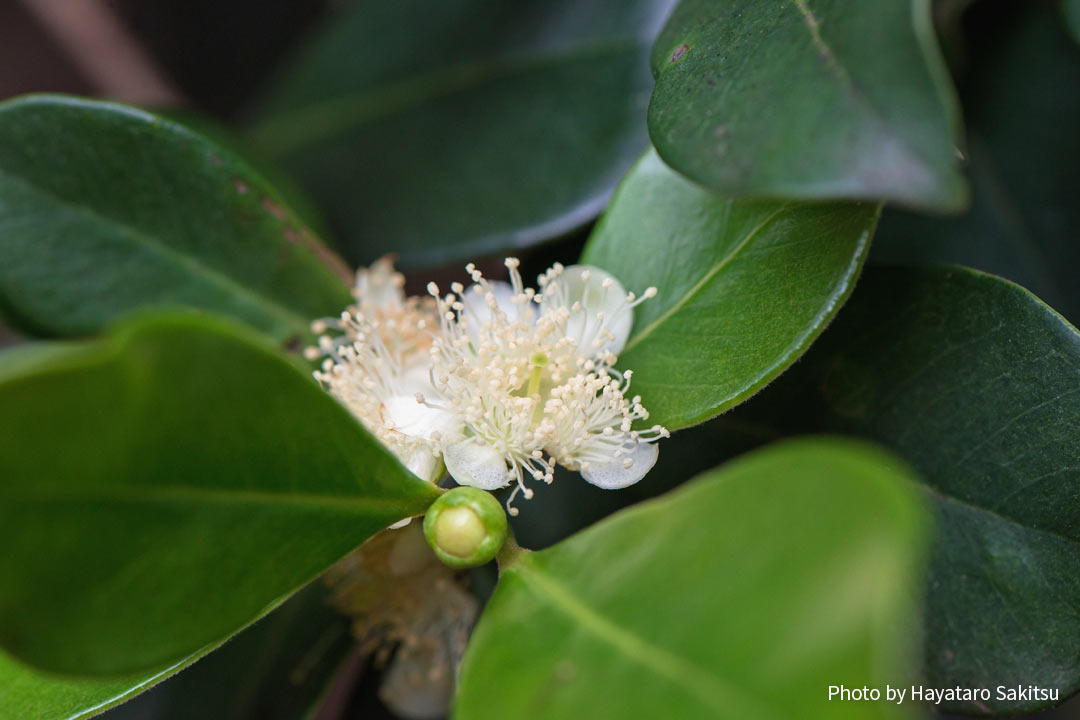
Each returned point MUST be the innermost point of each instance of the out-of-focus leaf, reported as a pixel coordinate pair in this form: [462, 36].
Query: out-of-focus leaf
[808, 99]
[745, 594]
[976, 383]
[450, 129]
[568, 505]
[168, 485]
[243, 147]
[1022, 104]
[1071, 8]
[278, 669]
[744, 286]
[105, 209]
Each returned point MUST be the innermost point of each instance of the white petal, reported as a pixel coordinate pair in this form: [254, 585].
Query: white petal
[594, 299]
[615, 475]
[476, 464]
[477, 313]
[423, 463]
[407, 416]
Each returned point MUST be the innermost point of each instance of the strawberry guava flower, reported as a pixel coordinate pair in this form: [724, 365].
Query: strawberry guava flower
[498, 381]
[377, 362]
[531, 377]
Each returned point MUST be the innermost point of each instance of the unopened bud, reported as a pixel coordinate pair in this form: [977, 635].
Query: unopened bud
[465, 527]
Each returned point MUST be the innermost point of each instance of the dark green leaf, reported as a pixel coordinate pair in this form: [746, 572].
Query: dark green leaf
[437, 131]
[745, 286]
[240, 145]
[1022, 104]
[1071, 8]
[105, 209]
[166, 486]
[278, 669]
[742, 595]
[808, 99]
[976, 383]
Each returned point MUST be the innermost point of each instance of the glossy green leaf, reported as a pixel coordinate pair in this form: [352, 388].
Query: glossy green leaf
[744, 286]
[235, 141]
[285, 660]
[453, 129]
[976, 383]
[105, 209]
[808, 99]
[168, 485]
[278, 669]
[745, 594]
[27, 693]
[1022, 108]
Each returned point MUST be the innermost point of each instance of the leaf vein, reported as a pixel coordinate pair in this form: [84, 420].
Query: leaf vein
[708, 688]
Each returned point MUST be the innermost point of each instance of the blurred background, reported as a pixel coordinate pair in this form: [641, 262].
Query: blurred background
[207, 55]
[244, 64]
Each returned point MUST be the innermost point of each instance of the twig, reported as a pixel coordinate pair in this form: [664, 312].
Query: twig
[106, 53]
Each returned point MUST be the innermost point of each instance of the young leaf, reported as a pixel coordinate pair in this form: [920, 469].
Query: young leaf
[105, 209]
[445, 130]
[168, 485]
[744, 286]
[745, 594]
[1024, 216]
[808, 99]
[976, 383]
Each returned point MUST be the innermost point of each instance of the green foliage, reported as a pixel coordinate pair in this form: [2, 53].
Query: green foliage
[1071, 9]
[107, 209]
[278, 669]
[803, 561]
[818, 99]
[165, 486]
[744, 286]
[178, 447]
[1024, 218]
[450, 130]
[976, 383]
[28, 693]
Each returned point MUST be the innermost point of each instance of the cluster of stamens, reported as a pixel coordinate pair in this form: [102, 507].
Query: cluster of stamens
[512, 381]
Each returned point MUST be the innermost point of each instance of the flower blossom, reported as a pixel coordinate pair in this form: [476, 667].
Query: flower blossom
[378, 361]
[501, 381]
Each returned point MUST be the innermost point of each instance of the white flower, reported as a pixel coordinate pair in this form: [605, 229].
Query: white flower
[531, 377]
[378, 362]
[501, 381]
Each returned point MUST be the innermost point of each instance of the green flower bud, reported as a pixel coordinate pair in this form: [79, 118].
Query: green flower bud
[465, 527]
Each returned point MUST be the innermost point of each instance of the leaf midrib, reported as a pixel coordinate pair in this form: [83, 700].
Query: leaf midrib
[946, 497]
[700, 285]
[845, 79]
[709, 689]
[189, 265]
[165, 494]
[292, 130]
